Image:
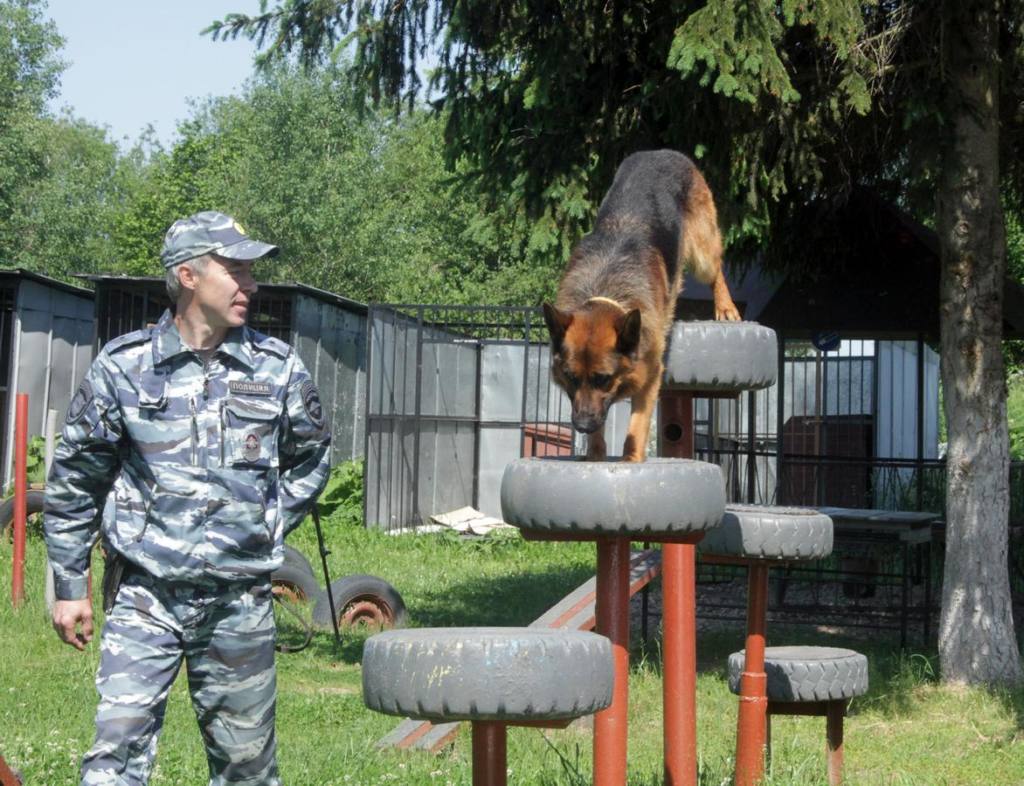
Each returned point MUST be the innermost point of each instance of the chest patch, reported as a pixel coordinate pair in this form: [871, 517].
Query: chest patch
[251, 447]
[244, 387]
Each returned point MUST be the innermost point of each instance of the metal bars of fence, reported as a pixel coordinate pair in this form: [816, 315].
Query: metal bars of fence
[454, 393]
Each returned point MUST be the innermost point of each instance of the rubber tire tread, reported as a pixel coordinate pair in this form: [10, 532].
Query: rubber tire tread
[501, 674]
[657, 496]
[298, 578]
[349, 588]
[295, 558]
[725, 357]
[767, 532]
[798, 674]
[34, 499]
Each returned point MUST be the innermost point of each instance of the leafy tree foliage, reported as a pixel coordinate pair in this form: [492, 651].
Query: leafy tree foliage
[29, 71]
[361, 204]
[60, 222]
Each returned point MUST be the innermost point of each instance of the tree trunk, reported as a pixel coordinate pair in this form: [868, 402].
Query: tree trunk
[976, 635]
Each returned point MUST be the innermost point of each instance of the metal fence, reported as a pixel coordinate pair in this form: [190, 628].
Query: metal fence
[453, 394]
[327, 331]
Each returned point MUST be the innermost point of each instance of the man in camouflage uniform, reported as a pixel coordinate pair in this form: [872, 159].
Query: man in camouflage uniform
[192, 447]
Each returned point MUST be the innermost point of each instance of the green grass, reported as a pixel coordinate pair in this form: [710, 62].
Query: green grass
[907, 730]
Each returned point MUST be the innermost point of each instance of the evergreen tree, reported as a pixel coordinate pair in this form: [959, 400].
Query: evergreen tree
[787, 104]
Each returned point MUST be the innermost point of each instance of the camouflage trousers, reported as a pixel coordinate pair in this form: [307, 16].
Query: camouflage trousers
[225, 635]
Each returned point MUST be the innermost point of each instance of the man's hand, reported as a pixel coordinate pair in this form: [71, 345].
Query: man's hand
[67, 616]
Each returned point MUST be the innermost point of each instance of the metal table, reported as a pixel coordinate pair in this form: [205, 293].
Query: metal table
[909, 529]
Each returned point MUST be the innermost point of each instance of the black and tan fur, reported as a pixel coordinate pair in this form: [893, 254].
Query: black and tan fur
[617, 297]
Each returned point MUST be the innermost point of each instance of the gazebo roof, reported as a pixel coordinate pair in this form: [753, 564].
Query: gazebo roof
[878, 278]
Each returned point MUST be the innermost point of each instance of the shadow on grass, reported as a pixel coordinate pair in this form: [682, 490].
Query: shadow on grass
[502, 601]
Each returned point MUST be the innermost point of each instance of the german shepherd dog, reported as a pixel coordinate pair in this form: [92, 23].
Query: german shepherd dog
[617, 297]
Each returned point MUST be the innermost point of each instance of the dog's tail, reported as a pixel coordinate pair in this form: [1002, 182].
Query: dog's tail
[702, 242]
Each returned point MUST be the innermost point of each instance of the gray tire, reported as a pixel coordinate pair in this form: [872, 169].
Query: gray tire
[297, 559]
[808, 673]
[723, 357]
[657, 496]
[360, 600]
[33, 504]
[765, 532]
[294, 583]
[449, 674]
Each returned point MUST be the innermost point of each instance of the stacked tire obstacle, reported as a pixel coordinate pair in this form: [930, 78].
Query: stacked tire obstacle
[530, 676]
[492, 677]
[723, 359]
[781, 680]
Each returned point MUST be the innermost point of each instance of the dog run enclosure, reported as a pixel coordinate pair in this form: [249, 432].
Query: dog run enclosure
[853, 423]
[456, 392]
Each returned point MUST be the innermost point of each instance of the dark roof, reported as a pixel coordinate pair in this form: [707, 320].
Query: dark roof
[878, 278]
[18, 272]
[319, 294]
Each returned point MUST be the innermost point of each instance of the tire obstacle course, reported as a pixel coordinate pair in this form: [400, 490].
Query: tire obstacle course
[673, 501]
[492, 677]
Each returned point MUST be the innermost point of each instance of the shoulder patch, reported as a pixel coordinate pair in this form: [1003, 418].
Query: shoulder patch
[80, 403]
[266, 343]
[127, 340]
[311, 403]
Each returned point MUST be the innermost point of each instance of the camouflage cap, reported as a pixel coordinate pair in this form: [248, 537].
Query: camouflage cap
[210, 232]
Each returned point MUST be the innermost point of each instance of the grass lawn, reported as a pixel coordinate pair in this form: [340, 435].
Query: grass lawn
[907, 730]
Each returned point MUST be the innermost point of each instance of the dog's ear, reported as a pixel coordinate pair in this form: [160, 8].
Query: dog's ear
[628, 327]
[558, 323]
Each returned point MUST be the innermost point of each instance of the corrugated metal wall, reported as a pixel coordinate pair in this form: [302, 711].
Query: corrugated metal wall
[449, 408]
[330, 337]
[52, 348]
[332, 343]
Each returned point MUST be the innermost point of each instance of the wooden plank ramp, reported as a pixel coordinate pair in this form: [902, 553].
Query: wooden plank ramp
[576, 611]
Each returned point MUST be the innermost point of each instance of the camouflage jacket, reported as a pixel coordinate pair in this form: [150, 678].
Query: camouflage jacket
[196, 472]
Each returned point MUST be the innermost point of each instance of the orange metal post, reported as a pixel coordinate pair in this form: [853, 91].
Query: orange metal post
[752, 723]
[490, 753]
[610, 724]
[20, 487]
[679, 598]
[7, 776]
[834, 738]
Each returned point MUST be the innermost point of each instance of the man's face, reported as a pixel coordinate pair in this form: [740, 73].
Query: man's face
[223, 292]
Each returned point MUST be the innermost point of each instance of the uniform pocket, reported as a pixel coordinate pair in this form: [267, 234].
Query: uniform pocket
[250, 432]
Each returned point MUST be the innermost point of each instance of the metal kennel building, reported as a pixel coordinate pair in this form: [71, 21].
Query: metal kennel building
[46, 331]
[455, 393]
[327, 330]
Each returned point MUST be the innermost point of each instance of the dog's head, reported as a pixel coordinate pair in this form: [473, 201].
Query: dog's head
[593, 353]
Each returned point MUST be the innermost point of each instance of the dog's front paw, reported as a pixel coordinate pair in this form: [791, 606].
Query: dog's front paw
[727, 314]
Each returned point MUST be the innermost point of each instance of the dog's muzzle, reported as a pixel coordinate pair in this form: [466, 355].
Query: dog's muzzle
[587, 424]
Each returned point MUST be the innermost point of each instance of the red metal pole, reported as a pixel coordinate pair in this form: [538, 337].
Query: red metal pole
[490, 753]
[752, 720]
[20, 487]
[610, 724]
[7, 776]
[679, 613]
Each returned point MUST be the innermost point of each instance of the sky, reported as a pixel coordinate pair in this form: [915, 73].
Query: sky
[131, 63]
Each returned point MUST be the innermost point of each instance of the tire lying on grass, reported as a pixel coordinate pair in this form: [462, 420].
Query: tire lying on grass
[297, 559]
[361, 600]
[294, 580]
[33, 504]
